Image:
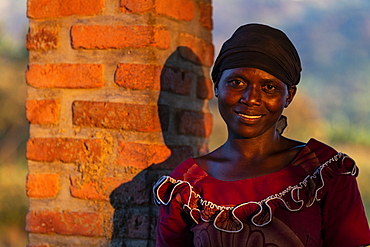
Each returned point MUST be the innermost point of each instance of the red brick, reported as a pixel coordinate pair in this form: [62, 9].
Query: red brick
[195, 123]
[176, 80]
[177, 9]
[195, 49]
[110, 115]
[153, 228]
[92, 190]
[141, 155]
[65, 223]
[136, 6]
[58, 8]
[138, 76]
[138, 227]
[43, 38]
[37, 245]
[116, 37]
[42, 111]
[89, 190]
[178, 155]
[204, 88]
[64, 149]
[42, 185]
[65, 75]
[164, 116]
[205, 15]
[134, 192]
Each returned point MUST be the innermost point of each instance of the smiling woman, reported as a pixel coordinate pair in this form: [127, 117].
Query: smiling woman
[260, 188]
[252, 99]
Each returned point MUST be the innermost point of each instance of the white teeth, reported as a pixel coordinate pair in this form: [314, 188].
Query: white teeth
[247, 116]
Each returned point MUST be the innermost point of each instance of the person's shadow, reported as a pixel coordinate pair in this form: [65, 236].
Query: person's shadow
[135, 214]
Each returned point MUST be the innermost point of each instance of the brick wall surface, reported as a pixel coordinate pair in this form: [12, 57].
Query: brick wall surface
[117, 96]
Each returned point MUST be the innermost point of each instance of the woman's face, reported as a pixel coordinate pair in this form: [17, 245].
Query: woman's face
[251, 101]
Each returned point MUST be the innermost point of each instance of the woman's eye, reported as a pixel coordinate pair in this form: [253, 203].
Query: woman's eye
[270, 87]
[236, 82]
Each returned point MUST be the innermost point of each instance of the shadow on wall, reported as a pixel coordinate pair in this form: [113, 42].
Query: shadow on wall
[135, 213]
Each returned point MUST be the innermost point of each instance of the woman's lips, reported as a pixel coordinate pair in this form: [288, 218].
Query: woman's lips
[254, 116]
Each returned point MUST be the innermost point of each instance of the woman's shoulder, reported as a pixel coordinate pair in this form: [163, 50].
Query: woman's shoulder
[317, 145]
[314, 148]
[313, 145]
[317, 154]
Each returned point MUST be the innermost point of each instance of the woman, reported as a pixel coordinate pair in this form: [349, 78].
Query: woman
[260, 188]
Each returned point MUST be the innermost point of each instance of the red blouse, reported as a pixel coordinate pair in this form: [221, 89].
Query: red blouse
[314, 201]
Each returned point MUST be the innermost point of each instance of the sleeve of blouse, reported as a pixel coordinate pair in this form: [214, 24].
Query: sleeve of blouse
[344, 220]
[172, 227]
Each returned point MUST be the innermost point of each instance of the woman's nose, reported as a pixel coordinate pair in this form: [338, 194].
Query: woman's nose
[251, 96]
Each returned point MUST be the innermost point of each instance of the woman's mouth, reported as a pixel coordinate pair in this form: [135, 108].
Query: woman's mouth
[249, 116]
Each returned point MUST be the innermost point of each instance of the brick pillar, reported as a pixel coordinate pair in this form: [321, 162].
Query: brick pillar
[117, 96]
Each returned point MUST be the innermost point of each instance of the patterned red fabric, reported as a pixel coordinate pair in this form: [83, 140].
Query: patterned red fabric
[314, 201]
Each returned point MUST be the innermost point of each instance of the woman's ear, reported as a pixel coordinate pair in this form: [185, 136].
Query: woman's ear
[291, 93]
[216, 92]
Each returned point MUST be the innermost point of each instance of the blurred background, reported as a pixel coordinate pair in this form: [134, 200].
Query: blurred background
[13, 123]
[332, 104]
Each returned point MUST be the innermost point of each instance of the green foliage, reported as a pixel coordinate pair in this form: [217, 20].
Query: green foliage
[356, 135]
[14, 204]
[13, 127]
[10, 49]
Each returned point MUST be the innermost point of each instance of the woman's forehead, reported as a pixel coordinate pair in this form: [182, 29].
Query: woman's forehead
[249, 71]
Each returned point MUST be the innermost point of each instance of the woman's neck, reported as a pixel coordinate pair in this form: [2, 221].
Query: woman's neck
[240, 158]
[252, 148]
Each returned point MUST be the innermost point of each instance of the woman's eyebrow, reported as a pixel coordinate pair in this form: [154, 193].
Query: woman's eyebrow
[270, 80]
[235, 76]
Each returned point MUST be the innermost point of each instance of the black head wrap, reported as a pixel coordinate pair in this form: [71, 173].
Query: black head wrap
[261, 47]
